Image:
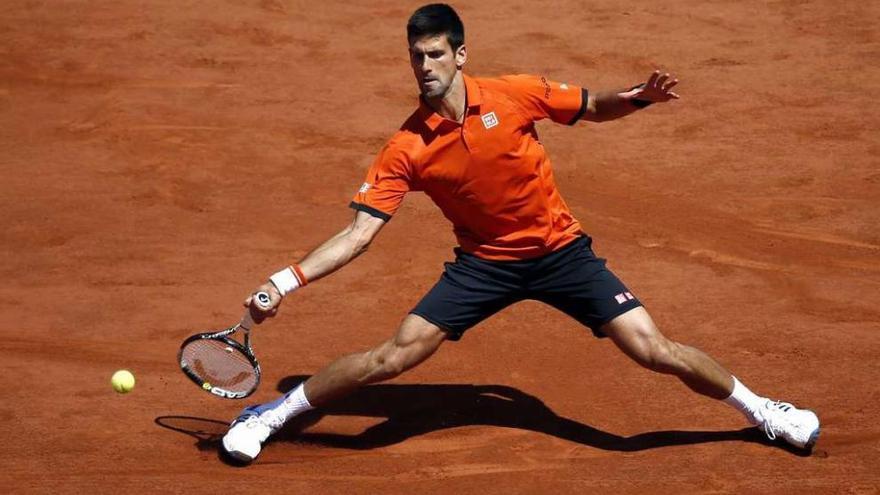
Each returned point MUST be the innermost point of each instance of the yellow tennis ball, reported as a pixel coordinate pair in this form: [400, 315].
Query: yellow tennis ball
[122, 381]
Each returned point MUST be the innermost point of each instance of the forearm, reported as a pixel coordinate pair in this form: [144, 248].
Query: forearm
[610, 105]
[330, 256]
[334, 253]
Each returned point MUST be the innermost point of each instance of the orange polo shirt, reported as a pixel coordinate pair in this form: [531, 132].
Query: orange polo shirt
[490, 175]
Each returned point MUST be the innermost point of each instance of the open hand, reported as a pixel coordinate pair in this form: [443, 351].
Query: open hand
[656, 90]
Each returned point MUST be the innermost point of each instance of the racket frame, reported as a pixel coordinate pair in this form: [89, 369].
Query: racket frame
[223, 337]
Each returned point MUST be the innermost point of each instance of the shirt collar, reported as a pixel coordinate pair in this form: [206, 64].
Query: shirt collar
[474, 95]
[474, 98]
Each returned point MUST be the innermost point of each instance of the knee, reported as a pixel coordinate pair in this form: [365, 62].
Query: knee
[414, 342]
[385, 362]
[392, 364]
[661, 355]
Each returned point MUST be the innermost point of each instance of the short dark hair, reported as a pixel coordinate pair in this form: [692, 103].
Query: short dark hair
[435, 19]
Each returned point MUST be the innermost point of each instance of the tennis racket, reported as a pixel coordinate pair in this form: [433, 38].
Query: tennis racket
[221, 365]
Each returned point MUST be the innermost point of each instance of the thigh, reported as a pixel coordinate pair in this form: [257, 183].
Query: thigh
[416, 331]
[469, 291]
[635, 333]
[416, 340]
[579, 284]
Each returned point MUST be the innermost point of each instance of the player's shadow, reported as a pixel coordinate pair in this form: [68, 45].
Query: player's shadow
[413, 410]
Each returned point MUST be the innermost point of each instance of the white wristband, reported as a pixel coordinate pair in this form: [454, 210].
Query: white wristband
[285, 281]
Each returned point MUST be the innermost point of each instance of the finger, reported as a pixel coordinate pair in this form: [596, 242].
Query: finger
[662, 80]
[670, 84]
[653, 79]
[247, 302]
[673, 95]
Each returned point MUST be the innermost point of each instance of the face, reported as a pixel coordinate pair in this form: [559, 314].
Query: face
[435, 64]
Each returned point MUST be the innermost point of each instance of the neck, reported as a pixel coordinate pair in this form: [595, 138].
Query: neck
[452, 104]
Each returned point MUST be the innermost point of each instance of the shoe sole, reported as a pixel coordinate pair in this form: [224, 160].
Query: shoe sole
[813, 438]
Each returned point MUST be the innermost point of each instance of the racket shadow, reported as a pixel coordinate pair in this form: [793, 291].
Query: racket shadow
[414, 410]
[206, 432]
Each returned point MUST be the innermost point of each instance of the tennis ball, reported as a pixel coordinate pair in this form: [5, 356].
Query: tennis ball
[122, 381]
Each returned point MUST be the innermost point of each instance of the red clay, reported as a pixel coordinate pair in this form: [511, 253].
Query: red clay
[160, 159]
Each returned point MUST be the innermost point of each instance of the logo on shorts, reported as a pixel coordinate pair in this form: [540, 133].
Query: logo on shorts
[623, 297]
[490, 120]
[364, 188]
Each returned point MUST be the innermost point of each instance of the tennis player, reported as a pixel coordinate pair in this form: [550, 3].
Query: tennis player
[471, 146]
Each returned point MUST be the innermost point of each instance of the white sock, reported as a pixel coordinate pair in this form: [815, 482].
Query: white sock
[745, 401]
[289, 405]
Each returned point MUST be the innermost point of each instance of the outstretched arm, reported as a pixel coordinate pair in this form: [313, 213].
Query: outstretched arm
[610, 105]
[333, 254]
[339, 250]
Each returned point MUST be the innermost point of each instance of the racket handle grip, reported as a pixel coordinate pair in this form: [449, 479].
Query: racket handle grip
[262, 300]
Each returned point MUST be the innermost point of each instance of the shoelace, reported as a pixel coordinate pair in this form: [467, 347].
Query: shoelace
[252, 421]
[768, 420]
[267, 418]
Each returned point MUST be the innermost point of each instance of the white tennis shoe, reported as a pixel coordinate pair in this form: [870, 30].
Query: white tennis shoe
[246, 436]
[799, 427]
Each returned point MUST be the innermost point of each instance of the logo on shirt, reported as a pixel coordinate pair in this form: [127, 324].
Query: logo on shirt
[490, 120]
[563, 86]
[364, 188]
[546, 87]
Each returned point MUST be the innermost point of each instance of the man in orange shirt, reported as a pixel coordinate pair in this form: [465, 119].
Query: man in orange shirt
[471, 146]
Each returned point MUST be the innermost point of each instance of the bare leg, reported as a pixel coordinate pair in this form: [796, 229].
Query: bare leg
[636, 335]
[415, 341]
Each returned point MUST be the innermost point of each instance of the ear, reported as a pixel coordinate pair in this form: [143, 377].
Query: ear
[461, 56]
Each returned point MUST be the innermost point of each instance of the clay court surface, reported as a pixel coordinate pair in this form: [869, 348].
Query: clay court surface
[159, 159]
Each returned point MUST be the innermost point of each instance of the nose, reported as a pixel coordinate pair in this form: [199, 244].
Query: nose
[424, 64]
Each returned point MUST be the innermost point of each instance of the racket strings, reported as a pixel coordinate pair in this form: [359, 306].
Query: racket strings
[219, 364]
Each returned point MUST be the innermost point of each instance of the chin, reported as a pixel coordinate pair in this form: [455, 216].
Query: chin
[433, 93]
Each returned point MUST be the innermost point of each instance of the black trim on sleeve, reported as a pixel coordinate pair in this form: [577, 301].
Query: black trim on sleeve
[381, 215]
[585, 95]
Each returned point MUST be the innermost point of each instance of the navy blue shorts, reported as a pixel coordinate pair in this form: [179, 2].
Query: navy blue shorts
[572, 280]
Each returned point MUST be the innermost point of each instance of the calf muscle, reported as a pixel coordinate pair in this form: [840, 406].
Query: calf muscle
[415, 341]
[637, 336]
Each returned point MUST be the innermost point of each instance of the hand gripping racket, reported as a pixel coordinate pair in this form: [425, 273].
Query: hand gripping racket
[221, 365]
